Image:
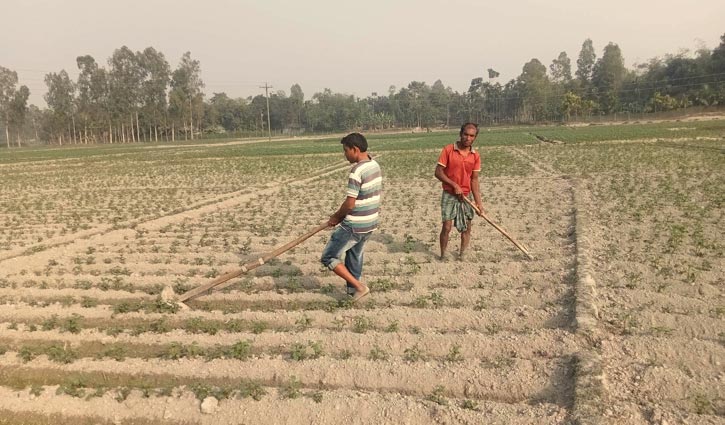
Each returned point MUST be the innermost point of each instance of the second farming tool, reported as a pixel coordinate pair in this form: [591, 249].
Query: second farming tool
[503, 232]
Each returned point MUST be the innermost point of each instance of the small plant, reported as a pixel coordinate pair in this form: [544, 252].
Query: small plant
[252, 389]
[98, 392]
[292, 388]
[316, 396]
[122, 394]
[115, 352]
[160, 326]
[303, 323]
[198, 325]
[87, 302]
[409, 244]
[36, 390]
[361, 324]
[338, 324]
[60, 354]
[498, 362]
[328, 289]
[438, 395]
[481, 304]
[26, 354]
[413, 267]
[114, 331]
[259, 326]
[50, 323]
[382, 285]
[421, 302]
[661, 330]
[298, 352]
[317, 350]
[469, 405]
[493, 328]
[454, 355]
[702, 404]
[239, 350]
[161, 306]
[200, 390]
[436, 299]
[73, 387]
[377, 353]
[393, 326]
[166, 391]
[72, 324]
[413, 354]
[173, 351]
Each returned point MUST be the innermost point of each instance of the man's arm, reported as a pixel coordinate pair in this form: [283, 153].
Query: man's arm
[475, 188]
[347, 205]
[441, 175]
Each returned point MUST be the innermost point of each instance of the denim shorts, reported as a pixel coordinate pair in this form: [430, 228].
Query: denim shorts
[344, 242]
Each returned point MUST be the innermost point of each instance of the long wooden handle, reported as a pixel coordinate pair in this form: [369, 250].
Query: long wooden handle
[503, 232]
[249, 266]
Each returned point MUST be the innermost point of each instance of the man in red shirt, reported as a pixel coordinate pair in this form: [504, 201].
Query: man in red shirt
[458, 168]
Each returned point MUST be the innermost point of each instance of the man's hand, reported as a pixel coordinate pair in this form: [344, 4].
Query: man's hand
[333, 221]
[480, 209]
[347, 205]
[457, 190]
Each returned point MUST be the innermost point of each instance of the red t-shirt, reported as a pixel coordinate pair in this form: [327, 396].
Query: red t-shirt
[459, 167]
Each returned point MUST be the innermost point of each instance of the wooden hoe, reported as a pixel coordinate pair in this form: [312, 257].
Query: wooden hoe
[217, 283]
[503, 232]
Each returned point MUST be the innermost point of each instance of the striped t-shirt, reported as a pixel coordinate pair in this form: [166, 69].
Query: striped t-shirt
[365, 184]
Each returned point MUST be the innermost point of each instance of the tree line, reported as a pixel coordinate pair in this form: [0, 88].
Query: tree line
[136, 96]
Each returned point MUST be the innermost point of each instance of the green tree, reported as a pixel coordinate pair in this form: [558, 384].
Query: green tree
[328, 111]
[440, 100]
[156, 76]
[607, 77]
[419, 103]
[125, 77]
[93, 101]
[475, 100]
[660, 102]
[8, 80]
[296, 106]
[535, 87]
[60, 99]
[585, 63]
[561, 68]
[717, 59]
[186, 97]
[19, 110]
[225, 112]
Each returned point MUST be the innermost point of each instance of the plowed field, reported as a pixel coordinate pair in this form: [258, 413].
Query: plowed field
[617, 319]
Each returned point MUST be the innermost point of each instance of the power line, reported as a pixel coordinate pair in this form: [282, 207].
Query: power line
[266, 88]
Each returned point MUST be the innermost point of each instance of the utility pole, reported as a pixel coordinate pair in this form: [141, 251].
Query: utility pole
[266, 93]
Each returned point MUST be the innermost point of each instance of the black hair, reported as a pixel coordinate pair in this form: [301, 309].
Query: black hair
[468, 124]
[355, 140]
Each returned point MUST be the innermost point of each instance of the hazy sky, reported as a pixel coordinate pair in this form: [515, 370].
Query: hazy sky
[351, 47]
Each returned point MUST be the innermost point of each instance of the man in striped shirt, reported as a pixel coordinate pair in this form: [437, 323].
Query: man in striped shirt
[356, 218]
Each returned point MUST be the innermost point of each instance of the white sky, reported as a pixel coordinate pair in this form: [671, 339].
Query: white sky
[355, 47]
